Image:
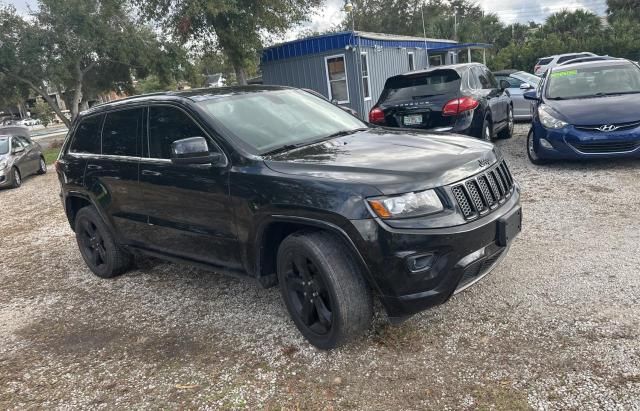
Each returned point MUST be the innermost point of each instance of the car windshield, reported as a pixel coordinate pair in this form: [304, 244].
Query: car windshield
[593, 81]
[415, 87]
[528, 78]
[4, 144]
[269, 120]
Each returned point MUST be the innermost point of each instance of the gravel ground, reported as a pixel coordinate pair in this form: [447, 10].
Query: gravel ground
[555, 326]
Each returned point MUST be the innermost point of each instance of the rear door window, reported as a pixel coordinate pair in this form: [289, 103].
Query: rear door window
[409, 88]
[87, 136]
[121, 133]
[545, 61]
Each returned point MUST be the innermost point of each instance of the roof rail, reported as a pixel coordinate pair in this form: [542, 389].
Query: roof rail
[588, 59]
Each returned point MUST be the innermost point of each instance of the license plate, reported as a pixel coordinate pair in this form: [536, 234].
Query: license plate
[412, 120]
[509, 225]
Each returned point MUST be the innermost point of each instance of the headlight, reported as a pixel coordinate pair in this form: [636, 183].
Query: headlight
[407, 205]
[547, 119]
[3, 164]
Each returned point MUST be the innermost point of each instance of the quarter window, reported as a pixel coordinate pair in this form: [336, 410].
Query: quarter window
[366, 83]
[121, 132]
[166, 125]
[337, 79]
[87, 136]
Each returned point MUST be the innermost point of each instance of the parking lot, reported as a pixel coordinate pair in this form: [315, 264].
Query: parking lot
[555, 326]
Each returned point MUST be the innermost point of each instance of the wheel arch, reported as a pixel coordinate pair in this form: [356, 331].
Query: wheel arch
[73, 203]
[272, 233]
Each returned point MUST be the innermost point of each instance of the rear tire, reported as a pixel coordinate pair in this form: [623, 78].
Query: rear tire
[16, 178]
[43, 166]
[532, 152]
[324, 289]
[507, 132]
[98, 248]
[487, 130]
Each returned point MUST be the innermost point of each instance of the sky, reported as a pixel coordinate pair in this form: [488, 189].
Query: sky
[509, 11]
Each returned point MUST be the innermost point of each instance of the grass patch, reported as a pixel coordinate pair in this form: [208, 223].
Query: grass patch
[51, 153]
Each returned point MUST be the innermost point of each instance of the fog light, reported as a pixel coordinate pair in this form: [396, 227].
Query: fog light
[545, 144]
[419, 263]
[476, 255]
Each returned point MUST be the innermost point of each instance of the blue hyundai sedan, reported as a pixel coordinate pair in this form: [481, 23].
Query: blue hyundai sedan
[586, 110]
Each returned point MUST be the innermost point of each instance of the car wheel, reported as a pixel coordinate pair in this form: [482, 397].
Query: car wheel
[532, 152]
[43, 166]
[486, 130]
[507, 132]
[16, 178]
[98, 247]
[323, 289]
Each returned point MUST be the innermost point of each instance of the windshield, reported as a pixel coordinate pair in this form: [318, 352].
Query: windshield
[527, 78]
[268, 120]
[4, 144]
[407, 88]
[594, 81]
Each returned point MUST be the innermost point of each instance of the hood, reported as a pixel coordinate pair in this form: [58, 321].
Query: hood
[393, 161]
[597, 110]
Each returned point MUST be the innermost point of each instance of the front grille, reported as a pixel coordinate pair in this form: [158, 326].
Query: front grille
[619, 127]
[480, 194]
[606, 146]
[474, 271]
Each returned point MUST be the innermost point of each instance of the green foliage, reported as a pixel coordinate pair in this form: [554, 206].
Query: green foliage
[237, 28]
[42, 111]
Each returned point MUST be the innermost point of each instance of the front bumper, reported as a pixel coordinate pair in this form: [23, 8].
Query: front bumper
[461, 256]
[571, 143]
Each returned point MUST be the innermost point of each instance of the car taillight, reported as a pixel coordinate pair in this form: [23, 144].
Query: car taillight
[459, 105]
[376, 116]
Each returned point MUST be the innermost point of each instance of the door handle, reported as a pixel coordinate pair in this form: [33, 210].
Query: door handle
[151, 173]
[94, 167]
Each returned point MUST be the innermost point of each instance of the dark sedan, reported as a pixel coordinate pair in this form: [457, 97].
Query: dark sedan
[19, 157]
[462, 98]
[586, 110]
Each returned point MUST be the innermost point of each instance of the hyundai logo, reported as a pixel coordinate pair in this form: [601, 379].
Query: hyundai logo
[608, 127]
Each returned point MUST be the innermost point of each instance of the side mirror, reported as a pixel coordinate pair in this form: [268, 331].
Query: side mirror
[504, 84]
[193, 150]
[525, 86]
[531, 95]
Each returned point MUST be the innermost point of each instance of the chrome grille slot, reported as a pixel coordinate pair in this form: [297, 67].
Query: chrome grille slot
[463, 202]
[474, 193]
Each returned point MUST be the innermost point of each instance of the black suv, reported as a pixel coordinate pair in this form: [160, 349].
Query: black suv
[281, 186]
[461, 98]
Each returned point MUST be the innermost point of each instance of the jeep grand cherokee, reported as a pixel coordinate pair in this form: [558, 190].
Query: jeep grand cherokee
[279, 185]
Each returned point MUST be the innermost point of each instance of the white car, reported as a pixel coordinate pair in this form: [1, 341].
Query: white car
[548, 62]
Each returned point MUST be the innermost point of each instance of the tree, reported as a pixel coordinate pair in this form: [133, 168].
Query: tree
[42, 111]
[237, 27]
[79, 47]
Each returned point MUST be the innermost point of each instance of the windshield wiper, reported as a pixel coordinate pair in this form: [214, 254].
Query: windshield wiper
[288, 147]
[280, 149]
[343, 133]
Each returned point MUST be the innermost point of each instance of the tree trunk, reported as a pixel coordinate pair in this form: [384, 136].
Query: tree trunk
[43, 93]
[241, 75]
[77, 93]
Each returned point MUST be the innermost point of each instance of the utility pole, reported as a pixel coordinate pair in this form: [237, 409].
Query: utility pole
[424, 33]
[455, 26]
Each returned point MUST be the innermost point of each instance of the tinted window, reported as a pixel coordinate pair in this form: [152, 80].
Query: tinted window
[543, 62]
[492, 79]
[166, 125]
[513, 82]
[16, 144]
[24, 141]
[408, 88]
[121, 131]
[571, 57]
[87, 136]
[272, 119]
[482, 77]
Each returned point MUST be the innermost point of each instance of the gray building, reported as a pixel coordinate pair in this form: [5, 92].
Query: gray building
[351, 67]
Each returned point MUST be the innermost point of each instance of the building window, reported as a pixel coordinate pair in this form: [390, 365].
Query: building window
[337, 78]
[412, 64]
[366, 84]
[435, 60]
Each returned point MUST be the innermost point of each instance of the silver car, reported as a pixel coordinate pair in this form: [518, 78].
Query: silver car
[520, 82]
[19, 156]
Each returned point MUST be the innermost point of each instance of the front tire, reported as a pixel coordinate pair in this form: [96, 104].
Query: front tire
[98, 248]
[323, 289]
[43, 166]
[16, 178]
[532, 151]
[507, 132]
